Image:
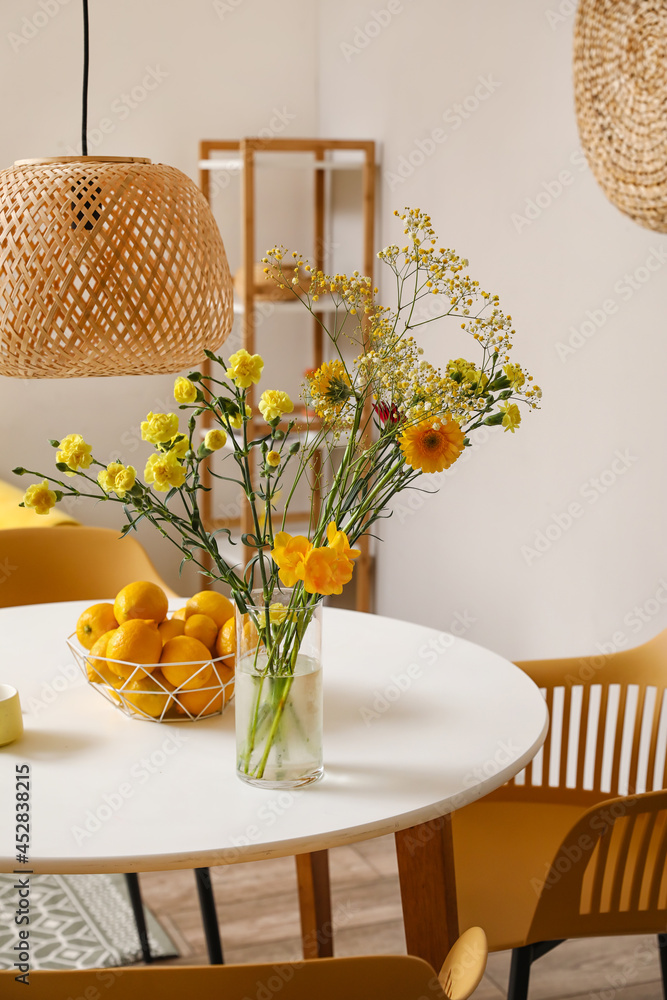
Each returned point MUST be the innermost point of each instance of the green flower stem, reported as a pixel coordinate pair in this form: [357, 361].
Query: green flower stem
[284, 649]
[325, 515]
[367, 503]
[252, 730]
[278, 714]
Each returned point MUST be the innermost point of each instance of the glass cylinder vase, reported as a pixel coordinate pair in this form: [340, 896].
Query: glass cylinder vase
[278, 692]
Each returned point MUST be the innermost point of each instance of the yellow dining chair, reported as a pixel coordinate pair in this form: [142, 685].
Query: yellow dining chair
[71, 563]
[381, 977]
[575, 846]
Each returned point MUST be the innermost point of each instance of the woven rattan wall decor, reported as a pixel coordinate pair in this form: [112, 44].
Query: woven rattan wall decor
[107, 267]
[620, 85]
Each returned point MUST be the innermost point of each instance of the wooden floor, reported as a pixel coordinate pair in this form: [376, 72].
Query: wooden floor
[259, 919]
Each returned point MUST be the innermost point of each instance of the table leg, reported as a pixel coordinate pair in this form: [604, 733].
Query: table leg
[209, 916]
[315, 904]
[134, 891]
[428, 889]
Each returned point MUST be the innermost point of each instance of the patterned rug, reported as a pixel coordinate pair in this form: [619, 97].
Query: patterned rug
[77, 922]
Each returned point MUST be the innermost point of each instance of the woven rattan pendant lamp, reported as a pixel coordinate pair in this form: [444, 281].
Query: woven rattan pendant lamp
[108, 266]
[620, 86]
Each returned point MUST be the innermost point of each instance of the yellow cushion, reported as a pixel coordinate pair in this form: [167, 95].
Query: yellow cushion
[13, 516]
[499, 847]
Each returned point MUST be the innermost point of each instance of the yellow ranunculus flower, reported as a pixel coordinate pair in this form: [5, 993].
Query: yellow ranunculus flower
[244, 368]
[39, 497]
[511, 416]
[185, 391]
[236, 420]
[158, 428]
[74, 452]
[274, 403]
[289, 553]
[215, 439]
[117, 478]
[273, 458]
[165, 471]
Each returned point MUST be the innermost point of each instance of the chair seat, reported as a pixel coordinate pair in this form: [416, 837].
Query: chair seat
[497, 851]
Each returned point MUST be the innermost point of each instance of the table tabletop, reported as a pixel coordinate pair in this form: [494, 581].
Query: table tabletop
[417, 723]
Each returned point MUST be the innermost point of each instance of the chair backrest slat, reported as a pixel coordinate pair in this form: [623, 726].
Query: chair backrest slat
[622, 834]
[599, 876]
[639, 873]
[614, 881]
[617, 739]
[660, 865]
[583, 733]
[566, 735]
[608, 727]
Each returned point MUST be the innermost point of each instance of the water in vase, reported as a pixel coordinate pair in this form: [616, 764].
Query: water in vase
[278, 723]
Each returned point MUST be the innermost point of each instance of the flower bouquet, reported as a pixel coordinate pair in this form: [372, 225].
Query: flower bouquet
[384, 416]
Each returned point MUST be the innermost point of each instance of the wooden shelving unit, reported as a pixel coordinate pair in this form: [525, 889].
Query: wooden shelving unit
[326, 155]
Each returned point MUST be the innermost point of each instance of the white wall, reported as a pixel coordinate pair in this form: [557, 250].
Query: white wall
[466, 551]
[470, 550]
[219, 70]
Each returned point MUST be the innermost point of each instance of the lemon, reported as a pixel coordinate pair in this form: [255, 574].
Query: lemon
[94, 622]
[201, 702]
[225, 674]
[185, 662]
[135, 641]
[148, 695]
[207, 602]
[203, 628]
[225, 644]
[99, 671]
[142, 600]
[171, 628]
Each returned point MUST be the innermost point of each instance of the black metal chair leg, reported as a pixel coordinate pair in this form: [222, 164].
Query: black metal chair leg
[520, 973]
[662, 945]
[522, 959]
[132, 882]
[209, 916]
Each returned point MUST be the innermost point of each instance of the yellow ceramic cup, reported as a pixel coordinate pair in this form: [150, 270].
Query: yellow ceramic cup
[11, 720]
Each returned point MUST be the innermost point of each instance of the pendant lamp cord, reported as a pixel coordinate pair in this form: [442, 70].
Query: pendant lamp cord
[86, 61]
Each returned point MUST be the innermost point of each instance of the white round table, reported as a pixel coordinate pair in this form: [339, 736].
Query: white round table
[417, 723]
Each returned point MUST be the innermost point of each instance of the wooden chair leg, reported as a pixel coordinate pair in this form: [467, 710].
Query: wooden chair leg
[209, 916]
[134, 891]
[662, 947]
[315, 904]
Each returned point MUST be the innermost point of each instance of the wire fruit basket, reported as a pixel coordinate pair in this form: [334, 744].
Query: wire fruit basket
[142, 692]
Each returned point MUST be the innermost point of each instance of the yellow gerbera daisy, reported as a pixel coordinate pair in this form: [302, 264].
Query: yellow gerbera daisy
[432, 446]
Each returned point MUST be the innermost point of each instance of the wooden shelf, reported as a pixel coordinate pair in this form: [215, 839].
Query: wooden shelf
[235, 165]
[326, 156]
[286, 305]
